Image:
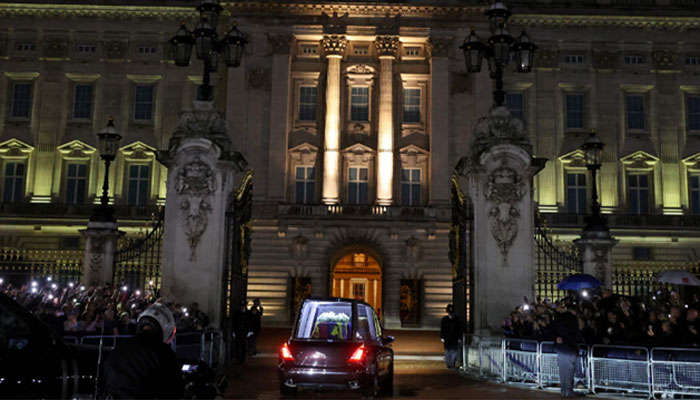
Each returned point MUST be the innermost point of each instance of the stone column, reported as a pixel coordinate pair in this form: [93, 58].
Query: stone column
[440, 170]
[500, 172]
[595, 246]
[279, 105]
[101, 244]
[386, 49]
[201, 167]
[334, 46]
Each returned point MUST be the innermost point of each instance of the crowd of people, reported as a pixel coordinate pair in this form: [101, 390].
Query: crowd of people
[74, 310]
[606, 318]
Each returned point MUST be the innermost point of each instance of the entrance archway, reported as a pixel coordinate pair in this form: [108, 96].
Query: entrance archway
[358, 275]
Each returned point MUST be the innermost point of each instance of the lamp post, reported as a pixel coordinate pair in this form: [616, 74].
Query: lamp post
[208, 47]
[108, 143]
[497, 49]
[593, 153]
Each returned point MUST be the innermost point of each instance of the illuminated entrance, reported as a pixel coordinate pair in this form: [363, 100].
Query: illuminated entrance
[357, 275]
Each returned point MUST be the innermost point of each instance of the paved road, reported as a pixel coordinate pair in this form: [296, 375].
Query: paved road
[424, 379]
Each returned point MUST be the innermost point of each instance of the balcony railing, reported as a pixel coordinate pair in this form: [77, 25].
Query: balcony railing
[76, 211]
[562, 220]
[362, 211]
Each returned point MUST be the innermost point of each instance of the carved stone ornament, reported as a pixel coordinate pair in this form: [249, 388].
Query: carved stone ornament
[504, 190]
[203, 121]
[389, 25]
[546, 58]
[335, 24]
[195, 185]
[299, 249]
[280, 43]
[55, 47]
[440, 47]
[360, 69]
[605, 59]
[499, 128]
[414, 250]
[334, 45]
[665, 59]
[387, 45]
[258, 78]
[600, 258]
[115, 49]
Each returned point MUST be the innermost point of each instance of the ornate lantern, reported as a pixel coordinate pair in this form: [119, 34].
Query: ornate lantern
[498, 15]
[473, 52]
[204, 37]
[501, 42]
[233, 45]
[524, 52]
[182, 46]
[108, 142]
[210, 10]
[593, 150]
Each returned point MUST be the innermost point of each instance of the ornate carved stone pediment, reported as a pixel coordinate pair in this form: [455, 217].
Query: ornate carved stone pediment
[361, 69]
[574, 159]
[692, 163]
[203, 121]
[138, 151]
[358, 153]
[76, 149]
[499, 128]
[413, 155]
[305, 153]
[15, 148]
[639, 160]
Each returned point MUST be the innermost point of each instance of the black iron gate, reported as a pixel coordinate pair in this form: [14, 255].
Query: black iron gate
[552, 263]
[460, 256]
[236, 255]
[137, 263]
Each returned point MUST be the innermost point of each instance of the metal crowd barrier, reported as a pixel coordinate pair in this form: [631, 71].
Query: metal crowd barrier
[675, 371]
[549, 366]
[622, 368]
[204, 346]
[667, 372]
[521, 361]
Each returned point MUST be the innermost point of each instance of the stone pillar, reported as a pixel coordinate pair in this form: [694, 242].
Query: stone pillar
[334, 46]
[440, 170]
[595, 247]
[386, 49]
[100, 246]
[500, 173]
[279, 104]
[201, 167]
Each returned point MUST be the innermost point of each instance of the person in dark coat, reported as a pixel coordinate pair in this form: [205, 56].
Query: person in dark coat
[255, 312]
[241, 327]
[568, 335]
[451, 337]
[146, 368]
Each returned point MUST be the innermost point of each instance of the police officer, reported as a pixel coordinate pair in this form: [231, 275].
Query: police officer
[567, 335]
[146, 367]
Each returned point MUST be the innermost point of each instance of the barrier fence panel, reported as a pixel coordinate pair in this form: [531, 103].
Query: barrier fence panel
[549, 366]
[521, 361]
[675, 371]
[620, 368]
[106, 340]
[492, 360]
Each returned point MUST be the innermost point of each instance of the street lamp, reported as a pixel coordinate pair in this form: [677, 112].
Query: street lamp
[208, 47]
[497, 52]
[593, 152]
[108, 144]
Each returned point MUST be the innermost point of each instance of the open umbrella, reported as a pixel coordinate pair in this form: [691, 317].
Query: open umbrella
[578, 282]
[678, 277]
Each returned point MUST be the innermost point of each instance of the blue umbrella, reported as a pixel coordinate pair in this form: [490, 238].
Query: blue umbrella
[578, 282]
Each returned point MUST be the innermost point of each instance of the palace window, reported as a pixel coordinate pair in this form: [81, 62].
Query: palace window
[515, 104]
[147, 50]
[635, 111]
[694, 191]
[573, 58]
[638, 193]
[412, 51]
[692, 60]
[76, 183]
[21, 100]
[86, 48]
[305, 185]
[693, 104]
[634, 59]
[13, 182]
[358, 181]
[82, 101]
[359, 104]
[308, 49]
[143, 103]
[410, 186]
[361, 50]
[574, 111]
[25, 46]
[411, 105]
[307, 103]
[576, 192]
[138, 181]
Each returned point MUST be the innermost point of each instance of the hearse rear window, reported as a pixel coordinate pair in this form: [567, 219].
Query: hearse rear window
[325, 321]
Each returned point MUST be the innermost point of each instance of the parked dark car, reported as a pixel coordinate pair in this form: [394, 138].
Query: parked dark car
[336, 344]
[36, 363]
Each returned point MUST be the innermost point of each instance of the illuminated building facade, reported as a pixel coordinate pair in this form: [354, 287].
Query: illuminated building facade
[353, 116]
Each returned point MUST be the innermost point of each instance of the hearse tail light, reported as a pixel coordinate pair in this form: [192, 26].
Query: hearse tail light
[358, 355]
[285, 353]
